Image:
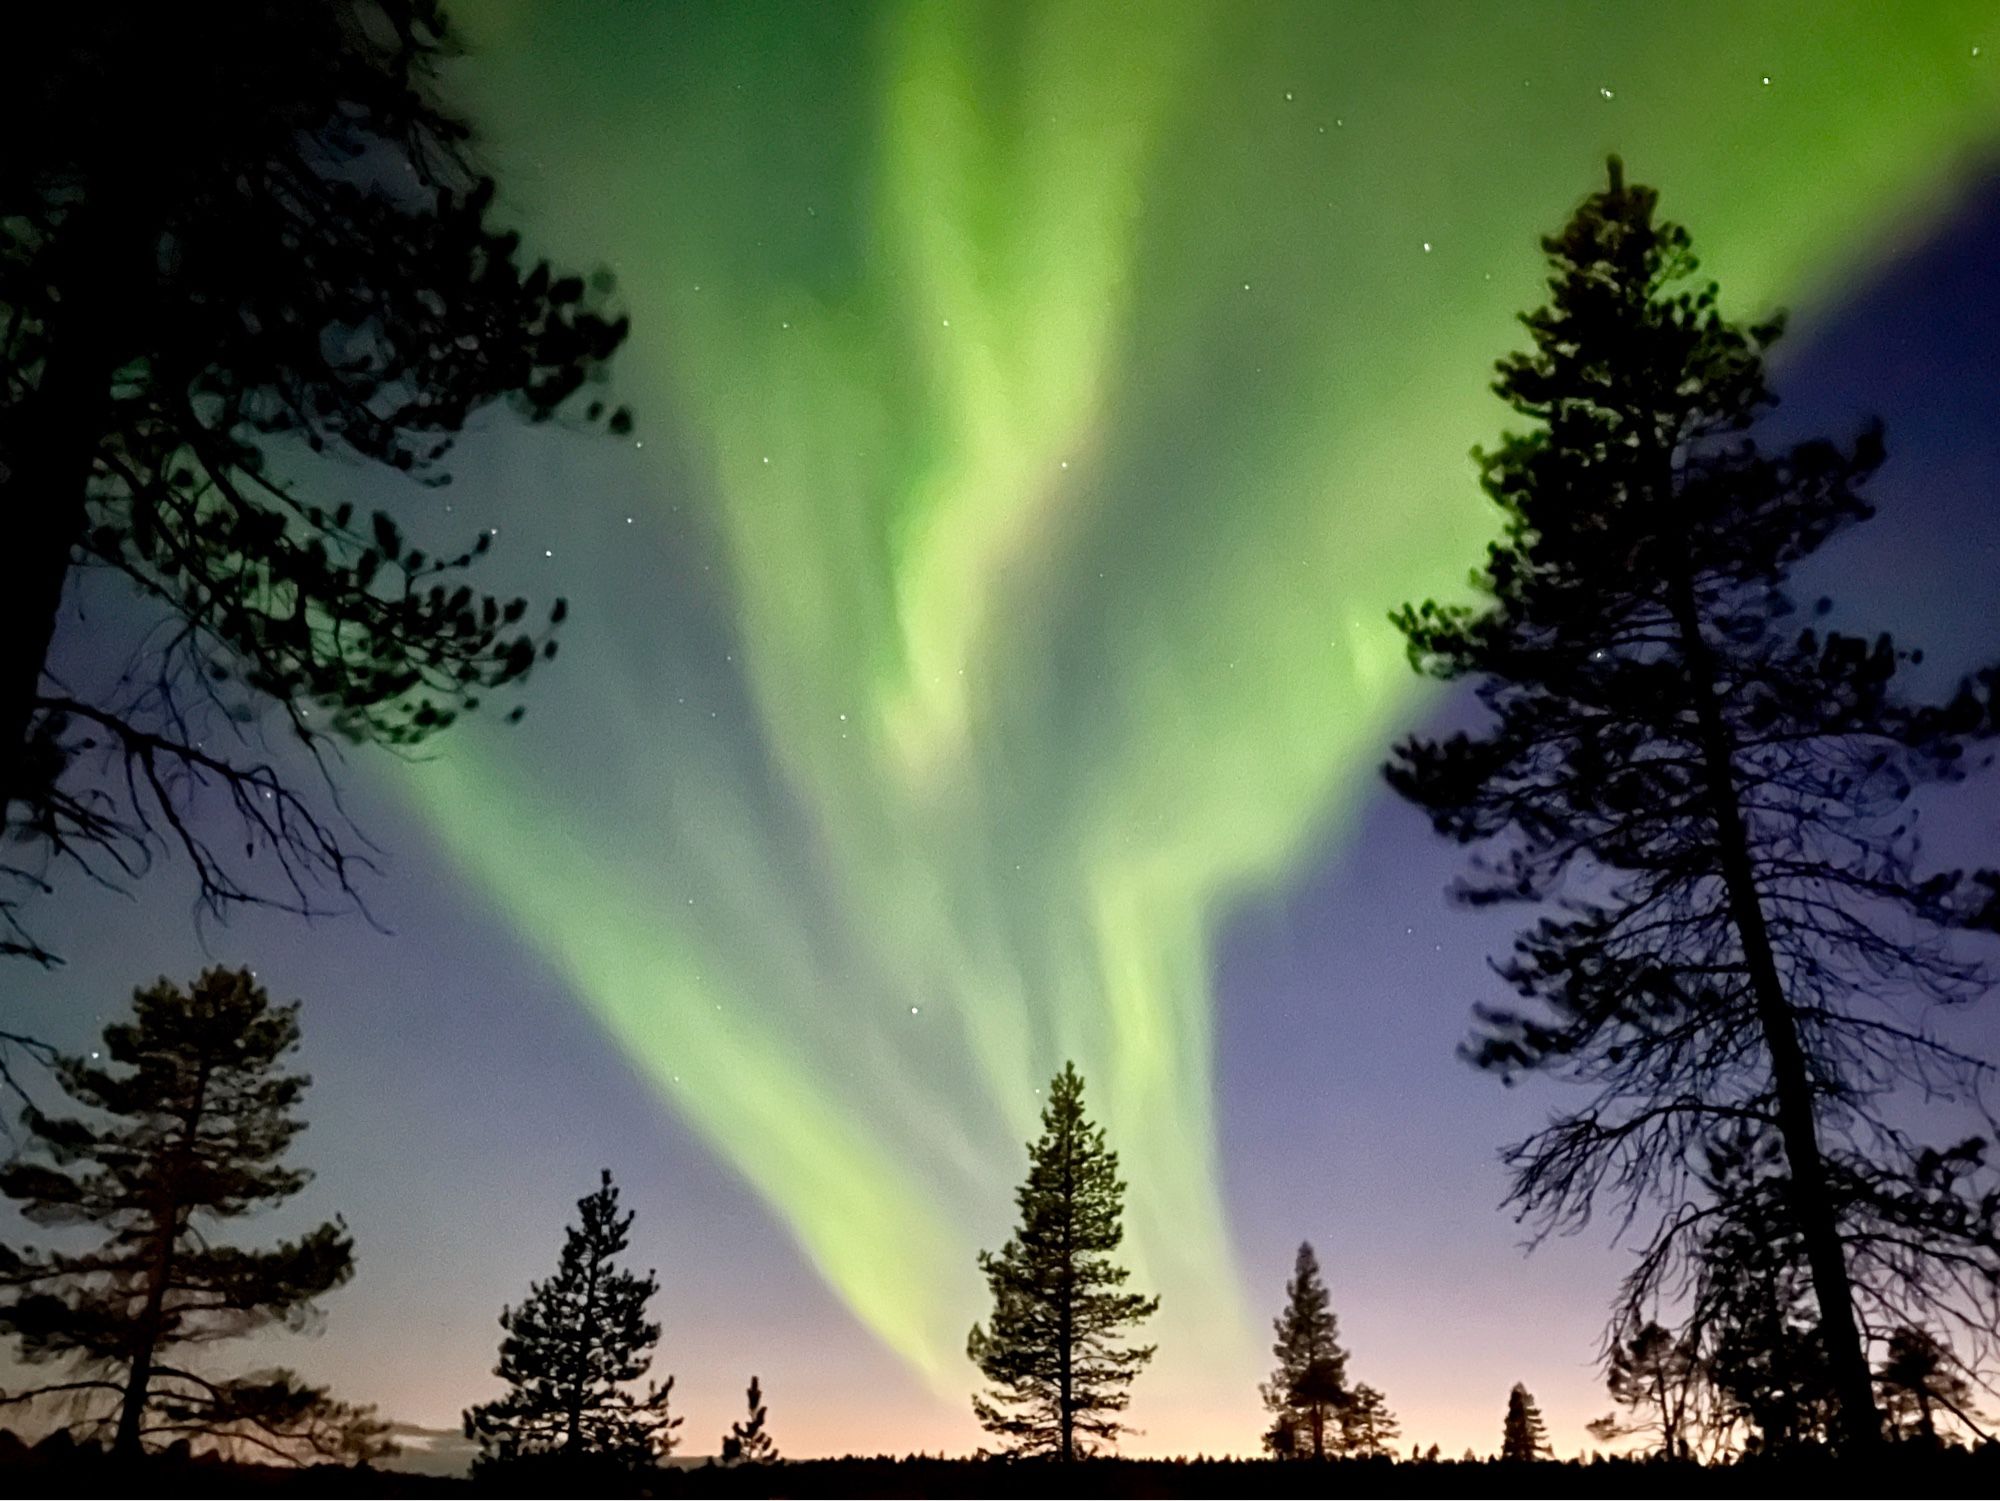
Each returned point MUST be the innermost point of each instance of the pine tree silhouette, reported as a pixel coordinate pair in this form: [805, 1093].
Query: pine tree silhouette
[570, 1350]
[1368, 1430]
[192, 1116]
[1523, 1437]
[1310, 1382]
[1051, 1349]
[1715, 808]
[747, 1442]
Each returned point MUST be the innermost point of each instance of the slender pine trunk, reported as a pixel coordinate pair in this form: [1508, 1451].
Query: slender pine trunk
[579, 1377]
[139, 1379]
[1798, 1128]
[1066, 1313]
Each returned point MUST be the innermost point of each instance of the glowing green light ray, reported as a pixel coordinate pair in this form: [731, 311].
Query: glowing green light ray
[1068, 389]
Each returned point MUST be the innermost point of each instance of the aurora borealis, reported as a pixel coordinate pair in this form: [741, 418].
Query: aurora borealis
[1045, 404]
[978, 657]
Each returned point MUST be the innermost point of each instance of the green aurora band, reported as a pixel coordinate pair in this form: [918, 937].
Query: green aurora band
[1047, 402]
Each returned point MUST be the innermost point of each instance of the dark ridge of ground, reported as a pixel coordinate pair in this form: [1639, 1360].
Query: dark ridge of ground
[1899, 1473]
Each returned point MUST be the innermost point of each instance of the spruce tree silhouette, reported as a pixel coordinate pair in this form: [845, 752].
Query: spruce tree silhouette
[570, 1350]
[191, 1116]
[239, 236]
[1052, 1349]
[1524, 1438]
[1309, 1386]
[1718, 804]
[747, 1442]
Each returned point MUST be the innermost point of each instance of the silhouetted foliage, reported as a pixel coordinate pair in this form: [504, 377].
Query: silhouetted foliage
[747, 1442]
[1282, 1440]
[1719, 804]
[570, 1350]
[232, 238]
[1523, 1436]
[1753, 1317]
[1052, 1348]
[1307, 1389]
[1368, 1430]
[190, 1118]
[1655, 1377]
[1920, 1380]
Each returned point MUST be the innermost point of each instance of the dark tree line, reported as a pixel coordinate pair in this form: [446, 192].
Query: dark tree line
[1715, 806]
[233, 238]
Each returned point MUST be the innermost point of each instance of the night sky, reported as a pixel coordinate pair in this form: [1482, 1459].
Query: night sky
[979, 657]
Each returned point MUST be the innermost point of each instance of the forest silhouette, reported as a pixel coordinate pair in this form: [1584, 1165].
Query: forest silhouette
[1699, 794]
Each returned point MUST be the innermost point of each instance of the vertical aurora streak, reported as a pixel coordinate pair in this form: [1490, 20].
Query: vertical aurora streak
[1055, 398]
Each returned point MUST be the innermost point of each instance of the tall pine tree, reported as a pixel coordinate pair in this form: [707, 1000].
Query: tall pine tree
[191, 1116]
[1716, 805]
[1307, 1389]
[571, 1348]
[1052, 1348]
[1524, 1438]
